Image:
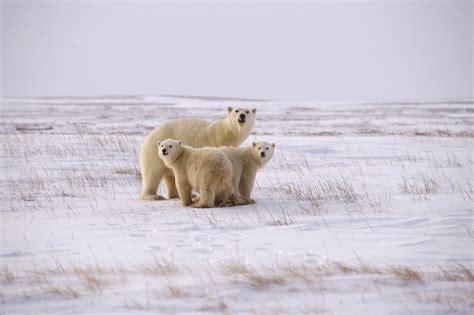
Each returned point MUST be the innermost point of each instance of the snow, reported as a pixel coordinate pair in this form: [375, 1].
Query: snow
[365, 208]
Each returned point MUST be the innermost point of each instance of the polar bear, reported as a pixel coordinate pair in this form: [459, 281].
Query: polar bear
[245, 164]
[230, 131]
[206, 170]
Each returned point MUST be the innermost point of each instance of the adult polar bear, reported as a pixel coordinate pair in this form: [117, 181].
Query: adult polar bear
[197, 133]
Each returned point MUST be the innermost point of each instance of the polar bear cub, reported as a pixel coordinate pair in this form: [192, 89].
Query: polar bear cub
[230, 131]
[245, 164]
[206, 170]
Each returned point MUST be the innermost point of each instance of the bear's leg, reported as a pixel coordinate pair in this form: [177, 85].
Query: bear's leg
[171, 186]
[151, 178]
[224, 199]
[184, 190]
[245, 187]
[235, 198]
[225, 195]
[206, 198]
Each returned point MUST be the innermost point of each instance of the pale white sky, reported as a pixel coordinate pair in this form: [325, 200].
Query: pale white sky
[323, 51]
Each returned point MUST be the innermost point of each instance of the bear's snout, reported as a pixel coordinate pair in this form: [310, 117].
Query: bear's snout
[241, 118]
[164, 152]
[262, 154]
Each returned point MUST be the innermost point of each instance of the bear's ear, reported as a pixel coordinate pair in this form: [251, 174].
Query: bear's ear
[254, 143]
[159, 143]
[254, 110]
[179, 142]
[273, 145]
[230, 109]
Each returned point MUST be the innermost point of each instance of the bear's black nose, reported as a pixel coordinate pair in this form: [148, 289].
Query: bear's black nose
[242, 116]
[262, 154]
[164, 151]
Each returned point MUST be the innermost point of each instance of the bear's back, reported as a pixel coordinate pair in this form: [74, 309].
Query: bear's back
[190, 131]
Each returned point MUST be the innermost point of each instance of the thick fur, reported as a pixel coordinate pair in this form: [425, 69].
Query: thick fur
[230, 131]
[245, 164]
[206, 170]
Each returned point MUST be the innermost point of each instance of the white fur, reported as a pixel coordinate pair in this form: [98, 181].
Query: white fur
[245, 164]
[192, 132]
[206, 170]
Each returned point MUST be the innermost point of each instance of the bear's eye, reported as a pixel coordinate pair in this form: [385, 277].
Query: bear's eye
[259, 148]
[171, 146]
[266, 149]
[247, 112]
[236, 110]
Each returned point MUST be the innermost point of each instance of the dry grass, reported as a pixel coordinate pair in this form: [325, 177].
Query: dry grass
[405, 273]
[69, 169]
[263, 280]
[301, 272]
[280, 216]
[402, 272]
[441, 133]
[66, 291]
[236, 266]
[160, 268]
[305, 193]
[79, 282]
[456, 273]
[256, 279]
[129, 170]
[173, 291]
[81, 171]
[428, 185]
[74, 281]
[318, 191]
[94, 283]
[307, 274]
[218, 305]
[339, 190]
[315, 309]
[134, 305]
[6, 277]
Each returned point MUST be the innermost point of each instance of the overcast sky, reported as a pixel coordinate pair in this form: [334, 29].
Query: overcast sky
[323, 51]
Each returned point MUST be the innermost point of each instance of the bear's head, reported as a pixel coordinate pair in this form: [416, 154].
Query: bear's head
[263, 151]
[169, 149]
[242, 117]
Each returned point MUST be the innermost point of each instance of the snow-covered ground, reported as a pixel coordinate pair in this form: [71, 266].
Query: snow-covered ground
[365, 208]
